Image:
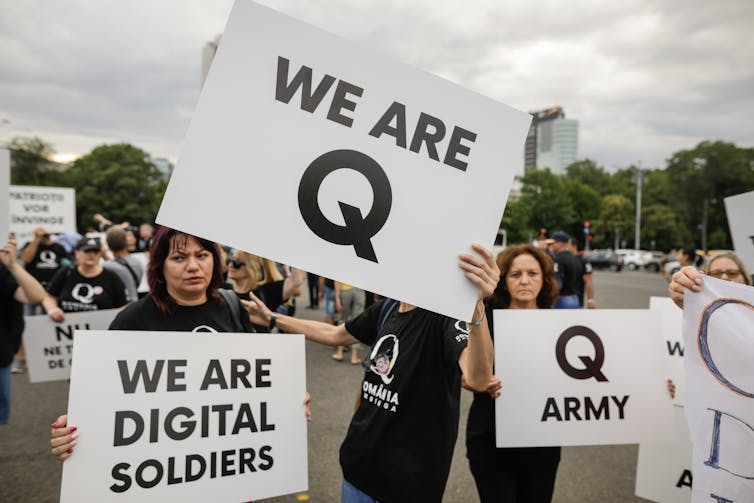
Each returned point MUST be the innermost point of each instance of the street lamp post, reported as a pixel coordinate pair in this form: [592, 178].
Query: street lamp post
[639, 179]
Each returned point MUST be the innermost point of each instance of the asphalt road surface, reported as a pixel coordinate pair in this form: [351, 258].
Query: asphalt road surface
[28, 473]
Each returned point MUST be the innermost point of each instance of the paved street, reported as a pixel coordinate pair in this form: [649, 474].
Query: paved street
[586, 475]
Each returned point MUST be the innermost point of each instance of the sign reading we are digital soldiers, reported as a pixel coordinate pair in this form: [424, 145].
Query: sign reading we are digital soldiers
[718, 331]
[575, 377]
[308, 149]
[170, 416]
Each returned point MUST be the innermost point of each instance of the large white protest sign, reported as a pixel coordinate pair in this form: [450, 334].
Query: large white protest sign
[49, 345]
[580, 377]
[308, 149]
[671, 325]
[740, 209]
[4, 186]
[52, 208]
[167, 416]
[718, 332]
[663, 469]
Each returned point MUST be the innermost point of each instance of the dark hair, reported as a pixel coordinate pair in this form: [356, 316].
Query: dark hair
[116, 239]
[696, 260]
[501, 297]
[164, 241]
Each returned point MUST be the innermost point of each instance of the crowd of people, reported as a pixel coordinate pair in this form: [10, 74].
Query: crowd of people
[171, 281]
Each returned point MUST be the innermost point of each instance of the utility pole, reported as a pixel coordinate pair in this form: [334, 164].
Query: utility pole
[639, 178]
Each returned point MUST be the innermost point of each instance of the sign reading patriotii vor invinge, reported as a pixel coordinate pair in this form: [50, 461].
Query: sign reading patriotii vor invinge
[189, 417]
[317, 153]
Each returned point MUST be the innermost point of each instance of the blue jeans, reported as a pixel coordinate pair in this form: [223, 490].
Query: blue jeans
[350, 494]
[329, 295]
[567, 302]
[5, 394]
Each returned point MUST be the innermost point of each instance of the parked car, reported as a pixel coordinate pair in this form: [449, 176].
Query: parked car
[656, 262]
[604, 259]
[634, 259]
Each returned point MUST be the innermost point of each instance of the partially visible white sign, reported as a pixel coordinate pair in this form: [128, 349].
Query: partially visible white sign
[663, 469]
[49, 345]
[740, 209]
[580, 377]
[189, 417]
[52, 208]
[671, 326]
[718, 332]
[375, 174]
[4, 203]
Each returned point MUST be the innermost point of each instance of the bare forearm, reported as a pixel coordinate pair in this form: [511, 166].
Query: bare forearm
[32, 290]
[477, 359]
[316, 331]
[27, 254]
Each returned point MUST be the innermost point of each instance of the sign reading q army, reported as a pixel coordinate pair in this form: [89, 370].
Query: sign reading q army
[580, 377]
[342, 162]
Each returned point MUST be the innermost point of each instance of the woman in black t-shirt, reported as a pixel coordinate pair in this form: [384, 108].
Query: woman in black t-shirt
[184, 275]
[86, 287]
[515, 474]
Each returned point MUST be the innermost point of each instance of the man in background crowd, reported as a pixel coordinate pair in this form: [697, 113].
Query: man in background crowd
[567, 272]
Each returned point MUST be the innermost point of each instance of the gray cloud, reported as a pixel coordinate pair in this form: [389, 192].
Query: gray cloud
[644, 78]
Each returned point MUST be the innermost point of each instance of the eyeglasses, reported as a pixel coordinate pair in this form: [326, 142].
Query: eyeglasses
[731, 273]
[235, 264]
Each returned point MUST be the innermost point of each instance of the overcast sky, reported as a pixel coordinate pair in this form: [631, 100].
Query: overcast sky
[643, 78]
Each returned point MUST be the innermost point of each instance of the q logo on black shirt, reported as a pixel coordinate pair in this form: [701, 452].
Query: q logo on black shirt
[592, 367]
[83, 292]
[358, 230]
[383, 358]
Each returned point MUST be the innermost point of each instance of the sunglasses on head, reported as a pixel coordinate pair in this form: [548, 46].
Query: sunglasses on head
[235, 264]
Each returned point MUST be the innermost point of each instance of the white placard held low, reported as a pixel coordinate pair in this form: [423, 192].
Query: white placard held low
[4, 194]
[189, 417]
[52, 208]
[369, 171]
[718, 331]
[663, 469]
[671, 325]
[49, 345]
[580, 377]
[740, 209]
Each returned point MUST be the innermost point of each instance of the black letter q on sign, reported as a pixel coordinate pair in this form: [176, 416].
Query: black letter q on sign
[592, 368]
[358, 230]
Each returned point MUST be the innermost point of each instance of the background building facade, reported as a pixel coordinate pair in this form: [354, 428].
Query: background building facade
[552, 142]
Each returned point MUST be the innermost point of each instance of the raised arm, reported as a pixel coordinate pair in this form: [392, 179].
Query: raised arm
[293, 282]
[477, 358]
[316, 331]
[29, 291]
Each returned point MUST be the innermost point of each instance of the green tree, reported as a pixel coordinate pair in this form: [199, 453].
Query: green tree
[615, 222]
[30, 163]
[659, 224]
[117, 181]
[546, 198]
[589, 173]
[709, 172]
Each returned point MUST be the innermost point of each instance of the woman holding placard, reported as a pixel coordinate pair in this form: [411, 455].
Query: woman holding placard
[725, 266]
[527, 281]
[184, 274]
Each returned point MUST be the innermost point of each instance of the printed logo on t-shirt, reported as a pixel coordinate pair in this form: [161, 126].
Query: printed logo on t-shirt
[47, 260]
[204, 328]
[383, 357]
[84, 292]
[463, 330]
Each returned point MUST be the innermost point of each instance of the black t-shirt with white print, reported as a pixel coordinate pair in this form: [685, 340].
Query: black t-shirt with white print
[212, 316]
[271, 294]
[400, 441]
[76, 293]
[46, 262]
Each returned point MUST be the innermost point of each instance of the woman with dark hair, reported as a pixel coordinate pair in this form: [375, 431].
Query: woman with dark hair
[686, 257]
[527, 281]
[184, 275]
